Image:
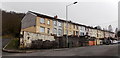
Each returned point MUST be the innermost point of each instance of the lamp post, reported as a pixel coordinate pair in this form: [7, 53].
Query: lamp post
[67, 21]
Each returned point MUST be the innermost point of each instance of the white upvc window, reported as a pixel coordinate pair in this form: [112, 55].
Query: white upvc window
[48, 22]
[55, 23]
[42, 29]
[59, 24]
[83, 28]
[42, 20]
[77, 27]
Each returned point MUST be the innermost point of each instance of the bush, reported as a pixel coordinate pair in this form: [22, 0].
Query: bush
[39, 44]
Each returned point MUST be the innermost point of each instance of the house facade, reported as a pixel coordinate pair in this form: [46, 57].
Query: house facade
[37, 23]
[28, 22]
[76, 29]
[68, 27]
[46, 25]
[57, 27]
[89, 31]
[94, 32]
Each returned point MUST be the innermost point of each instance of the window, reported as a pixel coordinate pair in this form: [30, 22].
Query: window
[42, 29]
[48, 30]
[59, 24]
[42, 20]
[81, 33]
[83, 28]
[77, 27]
[86, 33]
[55, 31]
[80, 28]
[77, 33]
[48, 22]
[59, 32]
[55, 23]
[70, 25]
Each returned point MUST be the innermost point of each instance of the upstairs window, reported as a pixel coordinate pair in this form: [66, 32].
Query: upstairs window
[48, 22]
[59, 24]
[83, 28]
[55, 23]
[77, 27]
[42, 20]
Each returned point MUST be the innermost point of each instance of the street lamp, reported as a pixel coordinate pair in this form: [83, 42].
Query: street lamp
[67, 20]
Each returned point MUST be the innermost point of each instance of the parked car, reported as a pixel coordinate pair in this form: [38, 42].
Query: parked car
[115, 42]
[118, 41]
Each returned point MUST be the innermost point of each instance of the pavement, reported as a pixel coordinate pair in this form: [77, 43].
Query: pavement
[101, 50]
[5, 41]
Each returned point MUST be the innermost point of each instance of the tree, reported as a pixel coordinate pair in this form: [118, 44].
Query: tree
[11, 22]
[110, 28]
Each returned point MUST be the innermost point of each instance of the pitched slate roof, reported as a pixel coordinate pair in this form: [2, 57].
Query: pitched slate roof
[46, 16]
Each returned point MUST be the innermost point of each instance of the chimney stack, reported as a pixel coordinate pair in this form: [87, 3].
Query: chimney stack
[56, 17]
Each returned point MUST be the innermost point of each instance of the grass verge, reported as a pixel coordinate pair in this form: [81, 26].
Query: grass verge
[13, 44]
[8, 36]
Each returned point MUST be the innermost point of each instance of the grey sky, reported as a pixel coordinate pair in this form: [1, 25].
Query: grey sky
[88, 13]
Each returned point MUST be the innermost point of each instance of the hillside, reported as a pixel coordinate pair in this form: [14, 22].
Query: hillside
[11, 22]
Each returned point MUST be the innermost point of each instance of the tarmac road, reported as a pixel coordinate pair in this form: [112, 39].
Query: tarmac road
[101, 50]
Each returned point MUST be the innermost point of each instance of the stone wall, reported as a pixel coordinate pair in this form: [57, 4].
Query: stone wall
[27, 38]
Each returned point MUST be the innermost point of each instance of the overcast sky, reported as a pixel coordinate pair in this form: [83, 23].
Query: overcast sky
[88, 12]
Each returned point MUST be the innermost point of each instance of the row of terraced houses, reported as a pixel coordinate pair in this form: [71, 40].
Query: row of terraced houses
[47, 25]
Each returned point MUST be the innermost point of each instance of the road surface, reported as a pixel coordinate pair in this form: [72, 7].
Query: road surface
[101, 50]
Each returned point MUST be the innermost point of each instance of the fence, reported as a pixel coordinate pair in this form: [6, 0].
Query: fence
[73, 41]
